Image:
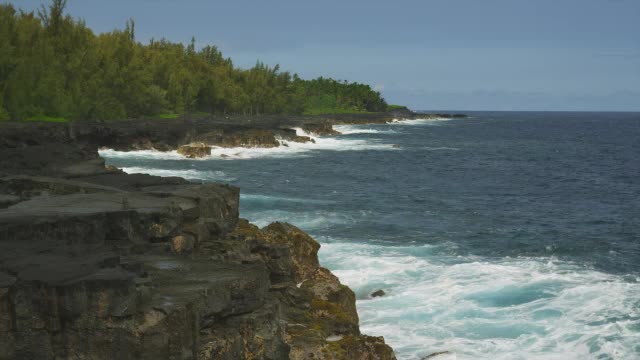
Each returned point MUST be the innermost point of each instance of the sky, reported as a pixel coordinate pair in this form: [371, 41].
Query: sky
[553, 55]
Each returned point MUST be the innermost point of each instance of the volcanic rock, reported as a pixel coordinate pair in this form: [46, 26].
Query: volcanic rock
[99, 264]
[195, 151]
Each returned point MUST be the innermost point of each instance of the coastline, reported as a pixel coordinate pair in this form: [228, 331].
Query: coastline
[99, 263]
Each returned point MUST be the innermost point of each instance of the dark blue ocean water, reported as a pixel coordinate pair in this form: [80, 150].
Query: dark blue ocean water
[506, 235]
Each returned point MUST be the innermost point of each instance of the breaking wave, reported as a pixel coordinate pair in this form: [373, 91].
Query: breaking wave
[141, 155]
[436, 121]
[479, 308]
[189, 174]
[287, 149]
[272, 199]
[308, 220]
[361, 129]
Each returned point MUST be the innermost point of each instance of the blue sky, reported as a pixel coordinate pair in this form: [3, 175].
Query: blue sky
[428, 54]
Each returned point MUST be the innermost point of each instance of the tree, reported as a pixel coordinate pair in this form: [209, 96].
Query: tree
[52, 65]
[52, 18]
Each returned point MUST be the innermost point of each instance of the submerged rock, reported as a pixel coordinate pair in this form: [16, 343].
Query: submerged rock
[378, 293]
[436, 354]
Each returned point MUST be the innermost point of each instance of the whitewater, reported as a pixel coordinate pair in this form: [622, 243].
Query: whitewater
[502, 236]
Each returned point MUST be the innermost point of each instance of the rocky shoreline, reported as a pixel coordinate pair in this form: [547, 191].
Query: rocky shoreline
[99, 264]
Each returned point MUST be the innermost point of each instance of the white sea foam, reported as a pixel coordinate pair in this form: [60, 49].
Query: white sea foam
[288, 149]
[141, 154]
[267, 198]
[435, 121]
[521, 308]
[308, 220]
[189, 174]
[361, 129]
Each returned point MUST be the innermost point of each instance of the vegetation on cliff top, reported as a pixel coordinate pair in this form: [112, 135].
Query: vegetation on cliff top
[54, 67]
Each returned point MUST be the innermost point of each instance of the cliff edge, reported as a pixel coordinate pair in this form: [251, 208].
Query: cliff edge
[98, 264]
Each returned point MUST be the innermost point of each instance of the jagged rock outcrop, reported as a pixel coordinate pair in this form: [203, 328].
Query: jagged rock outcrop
[264, 138]
[292, 135]
[150, 268]
[319, 312]
[240, 138]
[98, 264]
[320, 129]
[194, 151]
[48, 145]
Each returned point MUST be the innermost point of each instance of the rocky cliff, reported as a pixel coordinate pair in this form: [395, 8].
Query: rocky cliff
[40, 147]
[98, 264]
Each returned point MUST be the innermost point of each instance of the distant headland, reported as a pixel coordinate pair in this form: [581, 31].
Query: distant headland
[55, 68]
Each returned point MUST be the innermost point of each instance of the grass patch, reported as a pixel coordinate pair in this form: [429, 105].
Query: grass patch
[4, 115]
[43, 118]
[322, 111]
[168, 116]
[174, 116]
[395, 107]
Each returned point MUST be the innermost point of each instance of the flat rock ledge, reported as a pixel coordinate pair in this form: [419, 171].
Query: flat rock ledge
[104, 265]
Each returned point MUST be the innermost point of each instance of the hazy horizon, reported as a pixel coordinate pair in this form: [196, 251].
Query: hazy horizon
[496, 55]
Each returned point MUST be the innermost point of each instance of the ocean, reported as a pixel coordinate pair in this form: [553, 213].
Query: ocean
[507, 235]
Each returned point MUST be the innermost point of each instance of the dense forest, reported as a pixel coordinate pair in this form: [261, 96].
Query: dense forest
[54, 67]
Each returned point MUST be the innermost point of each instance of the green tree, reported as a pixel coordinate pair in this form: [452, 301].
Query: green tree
[52, 65]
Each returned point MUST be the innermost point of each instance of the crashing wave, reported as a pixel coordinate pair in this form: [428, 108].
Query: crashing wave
[361, 129]
[432, 121]
[189, 174]
[487, 308]
[287, 149]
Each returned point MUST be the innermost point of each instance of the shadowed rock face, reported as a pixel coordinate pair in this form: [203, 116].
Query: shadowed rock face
[159, 269]
[69, 149]
[98, 264]
[321, 321]
[240, 138]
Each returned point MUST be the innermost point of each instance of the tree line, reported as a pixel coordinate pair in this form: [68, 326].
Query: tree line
[53, 66]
